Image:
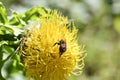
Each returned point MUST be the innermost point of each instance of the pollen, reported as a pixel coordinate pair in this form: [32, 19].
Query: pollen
[42, 60]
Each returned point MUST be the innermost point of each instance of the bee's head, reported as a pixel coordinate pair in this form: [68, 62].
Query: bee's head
[62, 41]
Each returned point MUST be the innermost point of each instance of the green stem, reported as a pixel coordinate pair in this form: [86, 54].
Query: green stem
[1, 65]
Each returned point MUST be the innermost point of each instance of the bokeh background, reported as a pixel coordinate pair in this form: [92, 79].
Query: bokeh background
[98, 22]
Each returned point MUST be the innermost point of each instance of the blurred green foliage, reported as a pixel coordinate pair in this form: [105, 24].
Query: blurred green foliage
[11, 28]
[98, 22]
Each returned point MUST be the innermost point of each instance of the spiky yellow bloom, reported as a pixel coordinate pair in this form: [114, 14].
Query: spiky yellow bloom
[41, 57]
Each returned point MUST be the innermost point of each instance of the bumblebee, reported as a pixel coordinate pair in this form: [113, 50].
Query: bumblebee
[62, 46]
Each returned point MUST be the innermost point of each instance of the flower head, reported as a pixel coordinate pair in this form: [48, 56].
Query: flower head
[44, 56]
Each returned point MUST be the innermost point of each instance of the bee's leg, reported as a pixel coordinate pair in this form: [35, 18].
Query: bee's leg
[56, 43]
[60, 53]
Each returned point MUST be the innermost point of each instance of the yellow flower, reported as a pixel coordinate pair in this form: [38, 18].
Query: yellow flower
[40, 49]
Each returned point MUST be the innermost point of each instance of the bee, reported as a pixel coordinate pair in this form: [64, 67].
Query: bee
[62, 46]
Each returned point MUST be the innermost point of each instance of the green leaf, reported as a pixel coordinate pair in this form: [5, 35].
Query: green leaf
[14, 29]
[21, 19]
[7, 37]
[5, 29]
[1, 52]
[3, 42]
[3, 14]
[34, 13]
[16, 20]
[8, 49]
